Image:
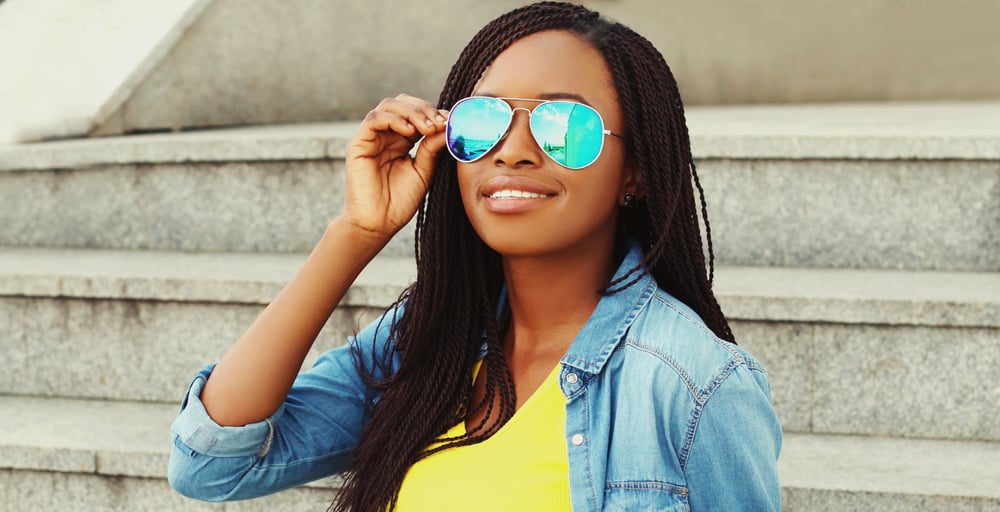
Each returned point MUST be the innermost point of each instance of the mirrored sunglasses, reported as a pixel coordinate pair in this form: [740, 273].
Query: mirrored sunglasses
[570, 133]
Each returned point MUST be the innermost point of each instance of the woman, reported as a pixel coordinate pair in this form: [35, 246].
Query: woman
[561, 347]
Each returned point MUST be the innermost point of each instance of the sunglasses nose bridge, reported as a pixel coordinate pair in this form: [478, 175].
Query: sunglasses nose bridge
[513, 118]
[513, 115]
[516, 141]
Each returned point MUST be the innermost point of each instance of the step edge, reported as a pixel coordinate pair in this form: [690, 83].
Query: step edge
[938, 298]
[125, 460]
[716, 132]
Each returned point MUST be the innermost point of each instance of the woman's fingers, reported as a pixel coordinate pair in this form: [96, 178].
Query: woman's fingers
[386, 179]
[422, 111]
[383, 121]
[407, 116]
[427, 155]
[422, 116]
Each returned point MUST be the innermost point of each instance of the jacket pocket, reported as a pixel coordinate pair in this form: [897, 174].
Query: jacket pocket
[645, 495]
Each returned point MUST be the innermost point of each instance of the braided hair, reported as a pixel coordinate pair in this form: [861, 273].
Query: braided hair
[451, 309]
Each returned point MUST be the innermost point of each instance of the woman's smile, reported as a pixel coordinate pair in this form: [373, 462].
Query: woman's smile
[519, 200]
[506, 194]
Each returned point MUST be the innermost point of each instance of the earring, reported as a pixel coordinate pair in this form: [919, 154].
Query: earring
[628, 200]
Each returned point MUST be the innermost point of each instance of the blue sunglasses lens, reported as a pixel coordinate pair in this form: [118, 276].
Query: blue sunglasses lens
[475, 125]
[570, 133]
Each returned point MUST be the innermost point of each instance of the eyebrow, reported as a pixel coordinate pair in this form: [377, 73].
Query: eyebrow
[544, 96]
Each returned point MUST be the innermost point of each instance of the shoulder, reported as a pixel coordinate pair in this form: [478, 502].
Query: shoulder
[673, 339]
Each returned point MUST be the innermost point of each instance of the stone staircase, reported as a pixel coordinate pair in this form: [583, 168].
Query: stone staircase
[859, 252]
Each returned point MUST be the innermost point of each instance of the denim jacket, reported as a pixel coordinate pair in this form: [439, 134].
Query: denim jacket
[660, 415]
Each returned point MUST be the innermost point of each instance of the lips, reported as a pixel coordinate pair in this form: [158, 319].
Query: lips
[515, 187]
[514, 194]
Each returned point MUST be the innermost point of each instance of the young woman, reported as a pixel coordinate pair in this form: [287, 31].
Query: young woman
[561, 347]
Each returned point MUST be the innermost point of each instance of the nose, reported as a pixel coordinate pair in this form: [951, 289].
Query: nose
[518, 148]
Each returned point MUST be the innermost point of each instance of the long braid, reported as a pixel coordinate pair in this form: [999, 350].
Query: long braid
[666, 223]
[450, 312]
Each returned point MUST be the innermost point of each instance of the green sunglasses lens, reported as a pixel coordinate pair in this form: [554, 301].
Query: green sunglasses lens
[475, 125]
[571, 133]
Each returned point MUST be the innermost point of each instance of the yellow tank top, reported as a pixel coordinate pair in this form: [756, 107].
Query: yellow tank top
[524, 466]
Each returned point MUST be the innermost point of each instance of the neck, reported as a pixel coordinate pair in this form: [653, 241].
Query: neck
[552, 296]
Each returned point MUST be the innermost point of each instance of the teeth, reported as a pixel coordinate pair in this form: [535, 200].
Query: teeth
[515, 194]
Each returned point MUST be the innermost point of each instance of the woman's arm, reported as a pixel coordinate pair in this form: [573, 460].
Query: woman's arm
[253, 378]
[384, 188]
[310, 436]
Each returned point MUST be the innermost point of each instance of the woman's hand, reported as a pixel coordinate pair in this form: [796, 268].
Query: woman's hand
[385, 185]
[384, 188]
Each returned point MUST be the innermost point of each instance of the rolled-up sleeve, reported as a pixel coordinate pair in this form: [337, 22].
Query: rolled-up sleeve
[310, 436]
[196, 430]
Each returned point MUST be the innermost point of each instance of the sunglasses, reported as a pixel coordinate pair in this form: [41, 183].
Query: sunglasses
[568, 132]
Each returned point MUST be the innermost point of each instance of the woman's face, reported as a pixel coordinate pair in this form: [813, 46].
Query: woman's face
[578, 210]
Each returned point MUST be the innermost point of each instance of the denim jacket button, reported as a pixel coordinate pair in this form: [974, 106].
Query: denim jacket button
[577, 439]
[571, 378]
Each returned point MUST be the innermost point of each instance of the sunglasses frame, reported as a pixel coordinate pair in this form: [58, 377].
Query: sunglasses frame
[506, 131]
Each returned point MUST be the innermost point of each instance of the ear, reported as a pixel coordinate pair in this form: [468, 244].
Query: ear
[631, 181]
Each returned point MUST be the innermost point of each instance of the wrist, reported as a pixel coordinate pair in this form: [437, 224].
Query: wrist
[345, 229]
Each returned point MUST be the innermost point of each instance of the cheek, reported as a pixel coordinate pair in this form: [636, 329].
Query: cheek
[467, 186]
[592, 198]
[601, 183]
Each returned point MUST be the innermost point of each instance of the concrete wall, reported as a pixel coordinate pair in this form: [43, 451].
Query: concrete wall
[788, 51]
[250, 61]
[66, 66]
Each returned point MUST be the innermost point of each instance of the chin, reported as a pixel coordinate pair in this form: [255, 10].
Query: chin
[512, 243]
[539, 241]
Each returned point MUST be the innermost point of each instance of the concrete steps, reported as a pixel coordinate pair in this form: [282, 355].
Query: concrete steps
[117, 453]
[245, 190]
[859, 250]
[136, 325]
[876, 352]
[871, 186]
[104, 456]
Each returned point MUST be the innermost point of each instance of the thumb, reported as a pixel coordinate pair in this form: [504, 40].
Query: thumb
[428, 152]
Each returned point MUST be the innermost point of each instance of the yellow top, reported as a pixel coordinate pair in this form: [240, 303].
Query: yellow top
[524, 466]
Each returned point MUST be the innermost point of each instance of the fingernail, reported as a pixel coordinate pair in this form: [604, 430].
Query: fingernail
[441, 118]
[428, 122]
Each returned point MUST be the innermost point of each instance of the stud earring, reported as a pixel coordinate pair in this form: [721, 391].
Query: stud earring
[628, 200]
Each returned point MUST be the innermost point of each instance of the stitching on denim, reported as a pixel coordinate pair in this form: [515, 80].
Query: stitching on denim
[588, 473]
[696, 322]
[646, 485]
[266, 447]
[623, 328]
[306, 460]
[581, 385]
[586, 445]
[201, 439]
[699, 324]
[673, 364]
[750, 362]
[701, 402]
[753, 364]
[689, 436]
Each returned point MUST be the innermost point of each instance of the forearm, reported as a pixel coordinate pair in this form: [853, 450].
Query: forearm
[253, 378]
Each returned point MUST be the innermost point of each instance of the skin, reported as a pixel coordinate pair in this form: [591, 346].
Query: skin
[557, 251]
